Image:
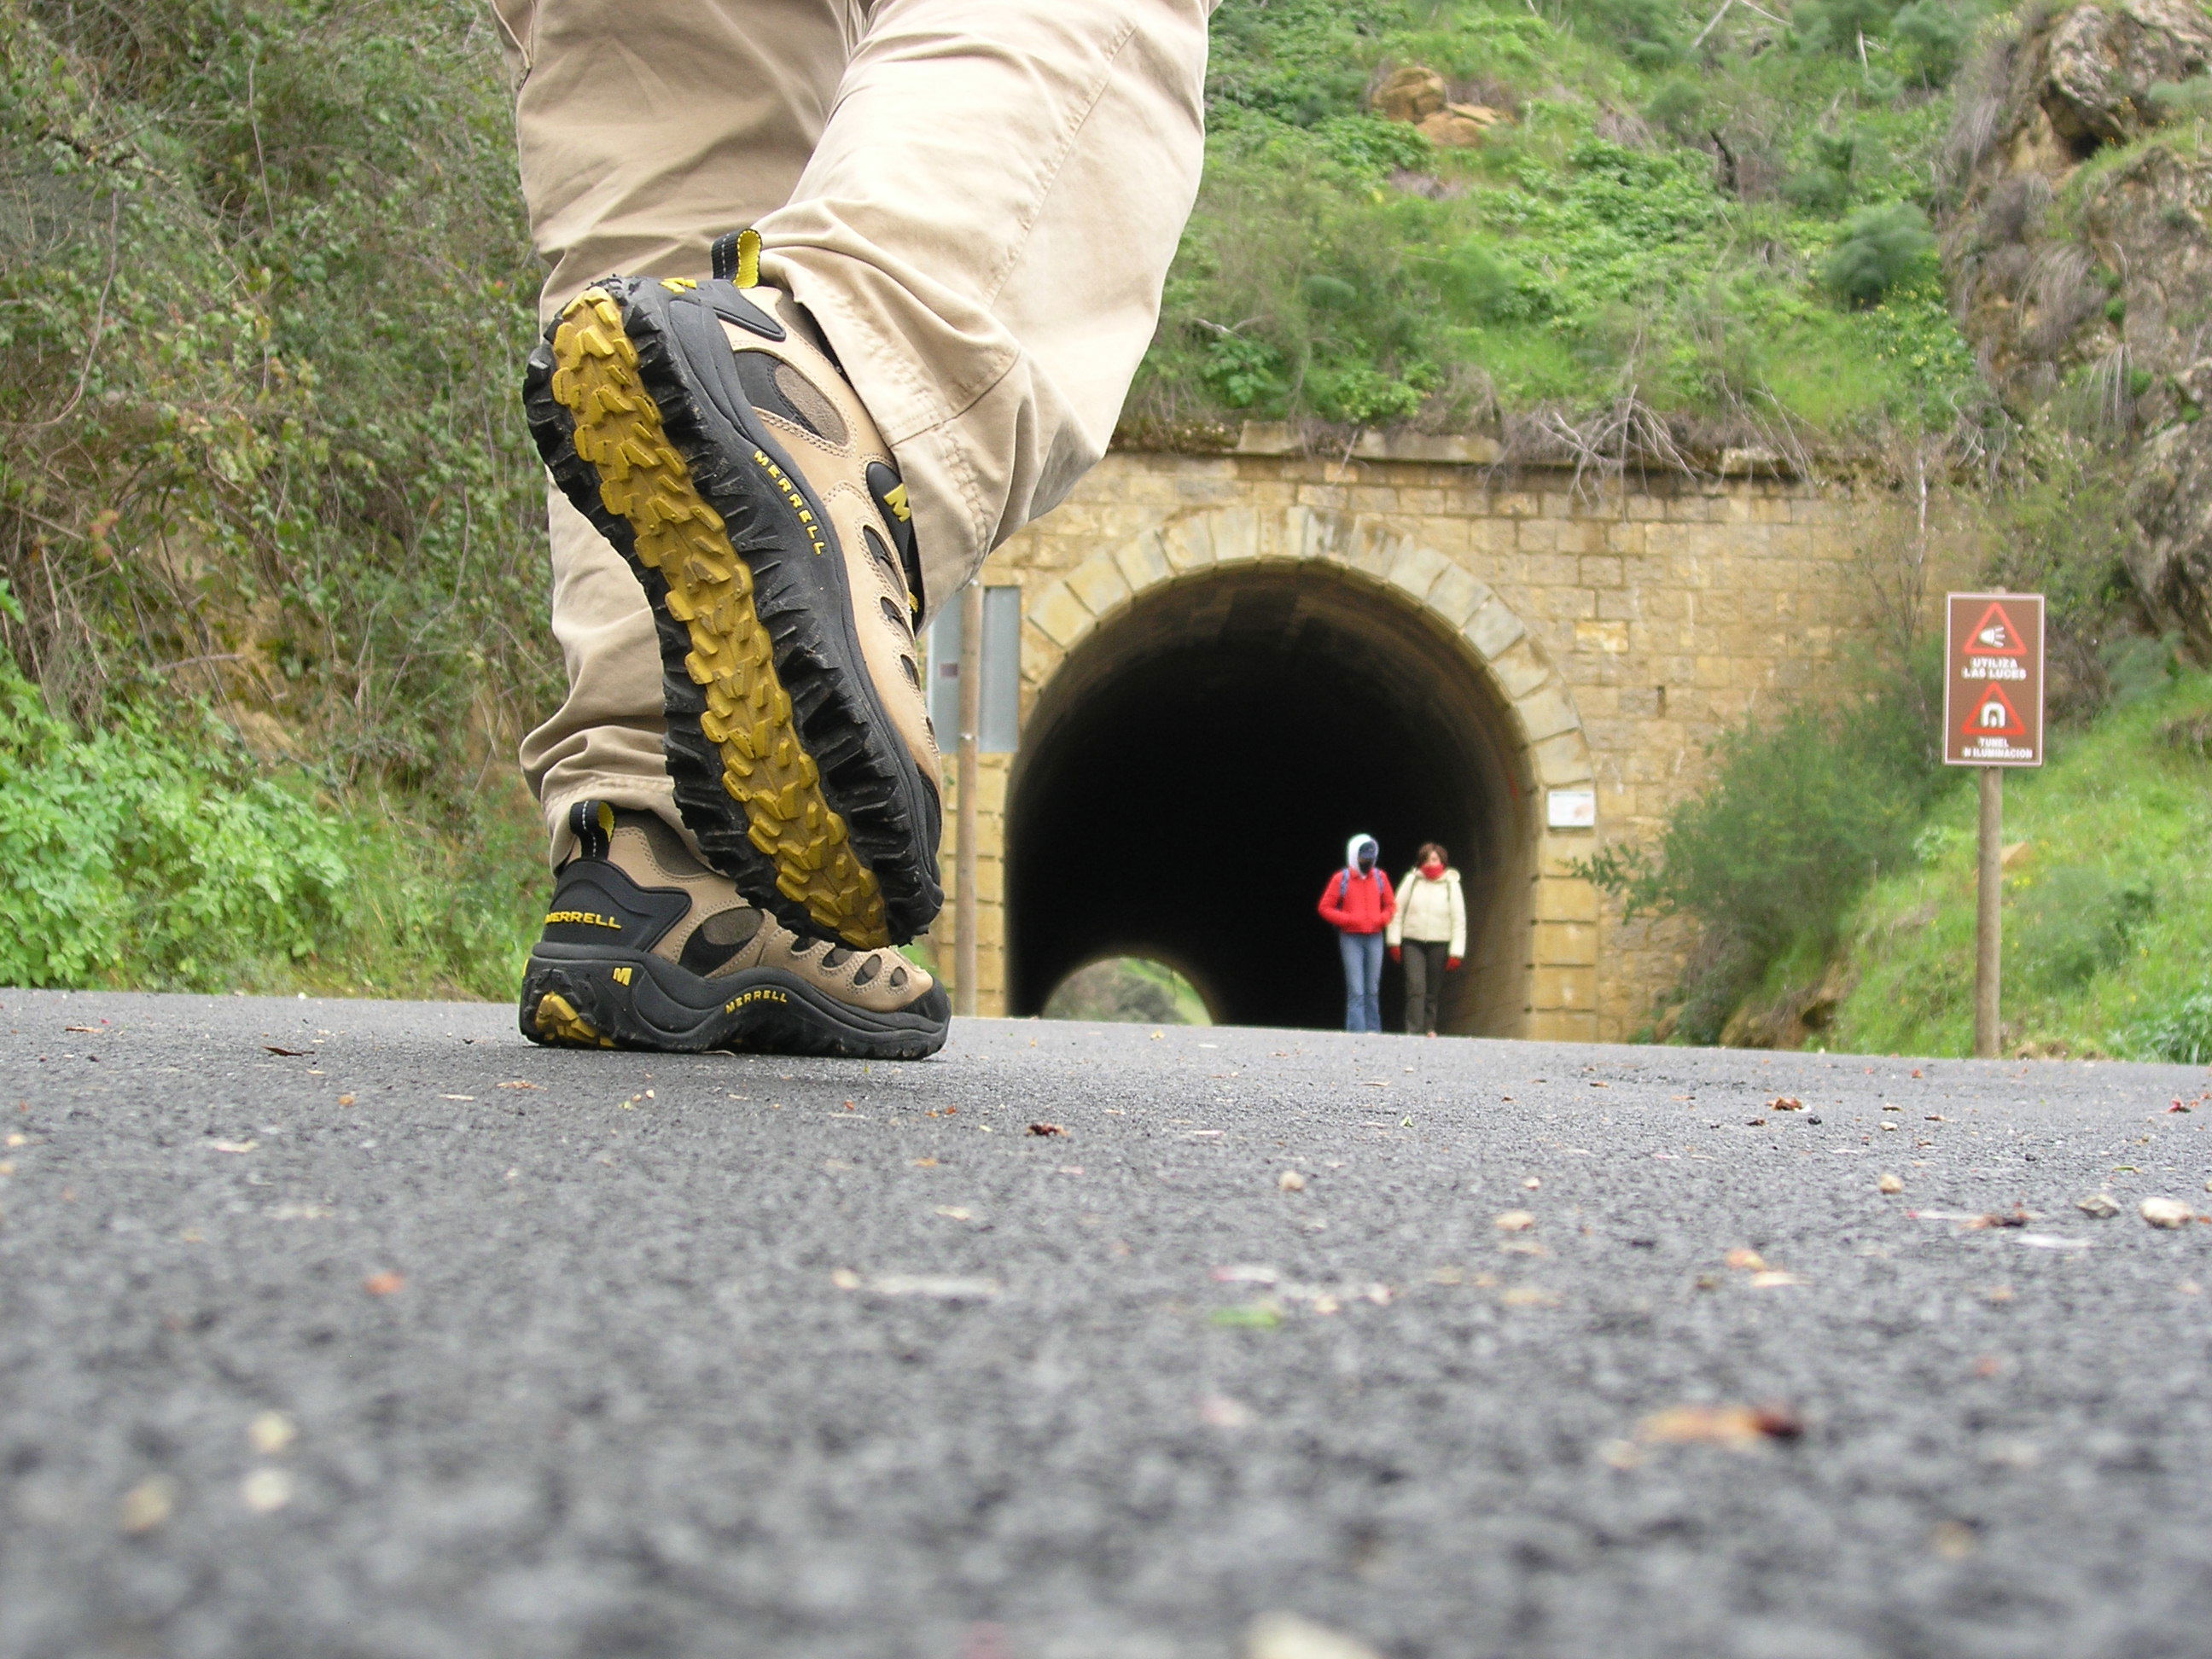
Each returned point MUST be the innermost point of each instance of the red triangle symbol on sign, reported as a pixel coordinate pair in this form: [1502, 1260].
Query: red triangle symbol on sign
[1994, 635]
[1994, 716]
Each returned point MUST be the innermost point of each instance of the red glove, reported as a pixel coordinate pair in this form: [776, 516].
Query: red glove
[1397, 953]
[1451, 962]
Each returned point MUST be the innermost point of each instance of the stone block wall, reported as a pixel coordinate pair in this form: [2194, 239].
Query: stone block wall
[1626, 626]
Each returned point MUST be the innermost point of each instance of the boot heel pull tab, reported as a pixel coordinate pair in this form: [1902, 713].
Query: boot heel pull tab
[737, 258]
[592, 824]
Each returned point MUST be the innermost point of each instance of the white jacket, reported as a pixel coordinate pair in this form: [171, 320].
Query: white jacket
[1430, 911]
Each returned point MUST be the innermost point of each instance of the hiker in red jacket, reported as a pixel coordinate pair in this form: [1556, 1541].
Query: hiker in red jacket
[1358, 903]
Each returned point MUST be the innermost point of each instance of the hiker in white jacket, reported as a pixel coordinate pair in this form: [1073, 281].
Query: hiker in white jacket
[1428, 933]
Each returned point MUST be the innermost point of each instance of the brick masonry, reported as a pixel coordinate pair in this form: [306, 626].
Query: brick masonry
[1623, 628]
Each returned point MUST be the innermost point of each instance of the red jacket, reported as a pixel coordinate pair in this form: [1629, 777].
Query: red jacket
[1354, 903]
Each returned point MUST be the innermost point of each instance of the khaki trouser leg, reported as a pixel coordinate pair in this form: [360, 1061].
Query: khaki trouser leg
[983, 232]
[645, 130]
[977, 198]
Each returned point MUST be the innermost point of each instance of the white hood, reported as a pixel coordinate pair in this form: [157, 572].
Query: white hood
[1352, 851]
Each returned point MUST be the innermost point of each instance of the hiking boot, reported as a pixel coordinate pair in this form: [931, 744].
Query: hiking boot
[645, 947]
[706, 430]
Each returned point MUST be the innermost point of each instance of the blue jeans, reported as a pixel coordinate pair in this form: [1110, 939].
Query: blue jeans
[1363, 981]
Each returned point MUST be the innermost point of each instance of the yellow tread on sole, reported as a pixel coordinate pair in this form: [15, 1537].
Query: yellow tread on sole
[557, 1021]
[643, 479]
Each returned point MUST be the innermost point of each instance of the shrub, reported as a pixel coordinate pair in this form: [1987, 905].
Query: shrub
[1652, 35]
[1479, 285]
[1291, 60]
[1337, 320]
[152, 848]
[1837, 25]
[1881, 247]
[1366, 145]
[1818, 190]
[1799, 815]
[1676, 107]
[2183, 100]
[254, 369]
[1928, 39]
[1581, 253]
[2188, 735]
[2073, 923]
[2182, 1034]
[1824, 186]
[156, 853]
[1243, 372]
[2061, 530]
[2140, 665]
[1362, 395]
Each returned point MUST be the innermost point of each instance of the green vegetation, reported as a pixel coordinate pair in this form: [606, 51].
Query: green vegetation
[1807, 808]
[1693, 230]
[1882, 248]
[2108, 901]
[260, 267]
[1658, 218]
[1129, 991]
[257, 262]
[163, 855]
[1802, 811]
[1832, 846]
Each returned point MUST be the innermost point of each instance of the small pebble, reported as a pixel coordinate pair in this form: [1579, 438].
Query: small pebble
[148, 1503]
[266, 1490]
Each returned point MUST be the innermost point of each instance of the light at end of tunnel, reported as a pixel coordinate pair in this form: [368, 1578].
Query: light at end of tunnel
[1130, 991]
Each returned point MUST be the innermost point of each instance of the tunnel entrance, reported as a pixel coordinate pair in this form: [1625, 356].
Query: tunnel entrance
[1188, 781]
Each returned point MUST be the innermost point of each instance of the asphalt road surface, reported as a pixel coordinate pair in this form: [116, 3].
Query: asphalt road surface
[352, 1329]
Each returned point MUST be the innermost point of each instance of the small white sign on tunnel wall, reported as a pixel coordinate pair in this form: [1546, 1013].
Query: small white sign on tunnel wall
[1570, 809]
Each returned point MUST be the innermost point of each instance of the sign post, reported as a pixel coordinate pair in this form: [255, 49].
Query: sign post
[964, 950]
[1992, 719]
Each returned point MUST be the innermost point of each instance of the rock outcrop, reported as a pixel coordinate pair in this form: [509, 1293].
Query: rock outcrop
[1417, 95]
[2079, 255]
[1411, 92]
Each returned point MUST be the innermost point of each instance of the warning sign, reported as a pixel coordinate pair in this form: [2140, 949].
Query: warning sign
[1994, 635]
[1993, 680]
[1994, 716]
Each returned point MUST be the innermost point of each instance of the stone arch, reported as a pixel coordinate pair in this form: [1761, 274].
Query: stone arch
[1537, 722]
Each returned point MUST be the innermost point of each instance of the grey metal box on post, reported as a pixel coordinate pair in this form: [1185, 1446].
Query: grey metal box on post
[998, 731]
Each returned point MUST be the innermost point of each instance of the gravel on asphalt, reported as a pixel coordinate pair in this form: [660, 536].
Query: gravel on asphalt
[366, 1331]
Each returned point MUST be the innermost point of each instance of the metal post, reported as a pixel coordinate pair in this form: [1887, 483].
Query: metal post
[971, 720]
[1989, 914]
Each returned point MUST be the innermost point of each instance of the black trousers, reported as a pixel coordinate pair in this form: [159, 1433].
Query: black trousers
[1424, 982]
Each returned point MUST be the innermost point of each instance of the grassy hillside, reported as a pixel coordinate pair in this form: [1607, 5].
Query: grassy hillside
[1728, 230]
[262, 274]
[2108, 902]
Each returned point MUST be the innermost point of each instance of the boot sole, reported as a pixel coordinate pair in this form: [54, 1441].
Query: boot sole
[785, 764]
[575, 997]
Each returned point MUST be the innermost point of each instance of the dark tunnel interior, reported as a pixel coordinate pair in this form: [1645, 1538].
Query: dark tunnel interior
[1188, 781]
